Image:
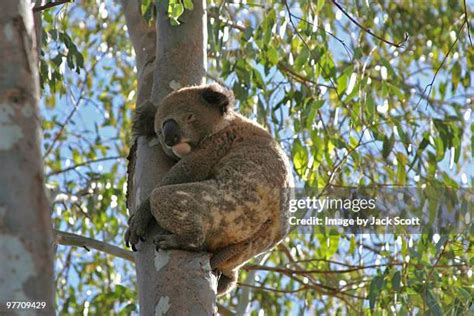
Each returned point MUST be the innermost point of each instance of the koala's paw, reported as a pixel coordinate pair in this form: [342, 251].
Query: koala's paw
[137, 225]
[172, 241]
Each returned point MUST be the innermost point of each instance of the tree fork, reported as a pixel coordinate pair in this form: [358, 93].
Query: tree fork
[169, 282]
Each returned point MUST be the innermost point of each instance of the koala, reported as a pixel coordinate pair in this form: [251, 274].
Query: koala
[227, 193]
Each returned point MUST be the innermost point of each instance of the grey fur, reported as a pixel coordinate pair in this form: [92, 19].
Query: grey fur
[227, 196]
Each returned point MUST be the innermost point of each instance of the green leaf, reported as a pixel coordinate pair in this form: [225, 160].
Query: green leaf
[433, 304]
[272, 55]
[188, 4]
[390, 70]
[375, 290]
[442, 240]
[440, 149]
[57, 60]
[353, 245]
[403, 135]
[401, 168]
[76, 156]
[145, 5]
[300, 157]
[351, 84]
[302, 58]
[456, 75]
[320, 5]
[146, 9]
[175, 9]
[388, 146]
[464, 294]
[342, 83]
[370, 108]
[396, 281]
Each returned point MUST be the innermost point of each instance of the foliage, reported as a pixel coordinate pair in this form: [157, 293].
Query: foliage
[174, 11]
[350, 109]
[87, 72]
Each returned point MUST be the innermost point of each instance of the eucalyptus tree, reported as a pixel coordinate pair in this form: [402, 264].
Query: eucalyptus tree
[359, 94]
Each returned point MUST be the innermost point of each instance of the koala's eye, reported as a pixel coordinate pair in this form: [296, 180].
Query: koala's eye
[190, 118]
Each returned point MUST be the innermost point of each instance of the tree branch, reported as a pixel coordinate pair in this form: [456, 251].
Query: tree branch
[55, 172]
[303, 288]
[63, 127]
[50, 5]
[300, 78]
[429, 87]
[346, 48]
[226, 22]
[69, 239]
[71, 114]
[368, 31]
[333, 85]
[466, 20]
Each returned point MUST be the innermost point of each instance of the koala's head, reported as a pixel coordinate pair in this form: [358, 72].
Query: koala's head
[186, 116]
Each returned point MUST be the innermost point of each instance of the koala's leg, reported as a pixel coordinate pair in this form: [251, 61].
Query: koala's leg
[227, 254]
[227, 281]
[180, 213]
[250, 247]
[207, 215]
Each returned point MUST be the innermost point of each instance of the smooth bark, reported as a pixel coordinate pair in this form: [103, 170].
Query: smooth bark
[171, 282]
[26, 257]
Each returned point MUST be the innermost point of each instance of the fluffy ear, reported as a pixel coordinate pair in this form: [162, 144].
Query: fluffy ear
[216, 95]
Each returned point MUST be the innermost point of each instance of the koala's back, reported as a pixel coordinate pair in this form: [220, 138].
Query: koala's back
[254, 156]
[254, 176]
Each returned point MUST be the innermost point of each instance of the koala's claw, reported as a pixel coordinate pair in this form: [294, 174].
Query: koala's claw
[136, 231]
[132, 239]
[127, 238]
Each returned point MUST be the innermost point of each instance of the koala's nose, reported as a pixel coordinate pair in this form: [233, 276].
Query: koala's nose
[171, 132]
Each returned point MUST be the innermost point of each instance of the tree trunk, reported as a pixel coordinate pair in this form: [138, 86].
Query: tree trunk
[171, 282]
[26, 256]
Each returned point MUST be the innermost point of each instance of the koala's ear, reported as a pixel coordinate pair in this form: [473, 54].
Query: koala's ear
[216, 95]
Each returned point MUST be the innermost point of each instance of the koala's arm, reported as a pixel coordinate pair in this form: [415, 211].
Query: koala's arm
[191, 168]
[198, 165]
[195, 167]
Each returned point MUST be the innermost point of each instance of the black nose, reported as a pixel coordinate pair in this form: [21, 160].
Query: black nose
[171, 132]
